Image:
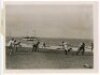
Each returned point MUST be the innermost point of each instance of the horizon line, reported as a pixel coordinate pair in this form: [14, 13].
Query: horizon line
[52, 37]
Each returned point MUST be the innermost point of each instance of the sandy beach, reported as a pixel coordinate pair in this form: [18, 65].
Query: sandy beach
[24, 58]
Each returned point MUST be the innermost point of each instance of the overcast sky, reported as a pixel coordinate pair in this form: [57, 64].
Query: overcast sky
[56, 21]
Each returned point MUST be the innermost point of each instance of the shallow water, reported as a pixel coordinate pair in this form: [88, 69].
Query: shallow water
[54, 43]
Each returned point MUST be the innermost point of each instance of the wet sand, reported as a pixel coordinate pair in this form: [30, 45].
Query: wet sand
[24, 58]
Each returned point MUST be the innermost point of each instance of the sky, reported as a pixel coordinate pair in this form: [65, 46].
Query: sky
[50, 20]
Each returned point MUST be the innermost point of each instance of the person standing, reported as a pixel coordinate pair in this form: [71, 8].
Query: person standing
[36, 47]
[44, 44]
[33, 47]
[11, 46]
[16, 45]
[81, 48]
[65, 47]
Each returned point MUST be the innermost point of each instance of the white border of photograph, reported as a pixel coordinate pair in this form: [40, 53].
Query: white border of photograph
[96, 52]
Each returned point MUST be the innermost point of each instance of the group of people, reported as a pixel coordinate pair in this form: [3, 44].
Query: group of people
[13, 45]
[35, 47]
[67, 48]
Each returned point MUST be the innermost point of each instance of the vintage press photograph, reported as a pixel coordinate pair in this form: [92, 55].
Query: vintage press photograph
[49, 36]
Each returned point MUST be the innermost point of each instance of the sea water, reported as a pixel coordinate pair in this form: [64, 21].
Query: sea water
[55, 43]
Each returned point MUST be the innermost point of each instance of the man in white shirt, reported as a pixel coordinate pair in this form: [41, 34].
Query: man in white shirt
[65, 47]
[11, 46]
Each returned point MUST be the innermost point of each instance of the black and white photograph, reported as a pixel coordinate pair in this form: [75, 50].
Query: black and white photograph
[49, 36]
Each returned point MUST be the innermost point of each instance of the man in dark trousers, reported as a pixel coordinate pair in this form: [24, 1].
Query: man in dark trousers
[36, 47]
[81, 48]
[44, 44]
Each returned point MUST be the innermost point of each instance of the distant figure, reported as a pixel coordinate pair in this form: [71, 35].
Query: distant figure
[65, 47]
[81, 48]
[92, 46]
[11, 46]
[15, 45]
[36, 47]
[44, 45]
